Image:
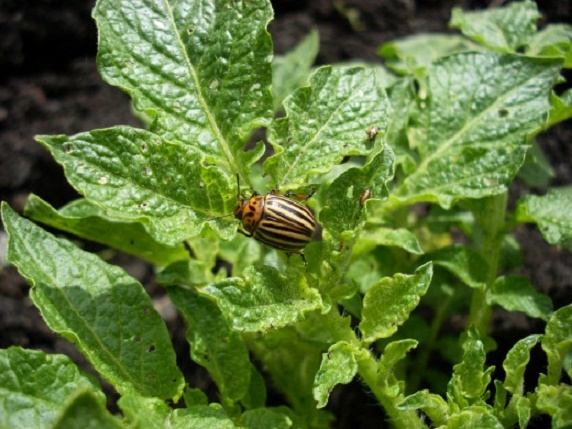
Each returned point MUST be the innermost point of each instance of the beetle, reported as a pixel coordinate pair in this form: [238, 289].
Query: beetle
[371, 133]
[276, 220]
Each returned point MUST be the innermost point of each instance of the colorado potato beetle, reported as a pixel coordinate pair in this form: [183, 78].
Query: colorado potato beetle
[277, 221]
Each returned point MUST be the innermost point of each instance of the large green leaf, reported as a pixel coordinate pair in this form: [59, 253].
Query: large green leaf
[502, 29]
[134, 175]
[552, 212]
[473, 126]
[213, 344]
[102, 310]
[86, 220]
[325, 122]
[34, 387]
[200, 70]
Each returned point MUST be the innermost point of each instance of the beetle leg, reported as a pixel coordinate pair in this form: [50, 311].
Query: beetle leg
[301, 196]
[246, 234]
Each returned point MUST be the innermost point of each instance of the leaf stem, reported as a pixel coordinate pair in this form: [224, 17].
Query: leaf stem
[489, 231]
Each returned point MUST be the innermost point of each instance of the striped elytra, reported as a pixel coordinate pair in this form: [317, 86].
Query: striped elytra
[277, 221]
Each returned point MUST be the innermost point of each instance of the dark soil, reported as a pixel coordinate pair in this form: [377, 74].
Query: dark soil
[50, 85]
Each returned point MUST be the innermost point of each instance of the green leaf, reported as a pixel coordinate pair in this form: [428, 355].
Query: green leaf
[387, 304]
[98, 307]
[433, 405]
[339, 366]
[557, 342]
[504, 29]
[552, 212]
[185, 273]
[291, 71]
[263, 418]
[372, 236]
[264, 298]
[201, 417]
[325, 122]
[561, 108]
[536, 171]
[35, 385]
[465, 263]
[473, 127]
[85, 410]
[342, 207]
[516, 293]
[87, 221]
[470, 377]
[515, 364]
[134, 175]
[393, 353]
[556, 401]
[521, 406]
[196, 91]
[554, 40]
[255, 397]
[473, 417]
[145, 413]
[413, 54]
[213, 344]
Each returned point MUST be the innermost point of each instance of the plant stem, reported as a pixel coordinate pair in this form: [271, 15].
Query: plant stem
[489, 231]
[406, 419]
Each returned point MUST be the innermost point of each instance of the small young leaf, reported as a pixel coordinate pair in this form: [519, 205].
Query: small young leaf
[87, 221]
[515, 364]
[473, 127]
[536, 171]
[554, 40]
[264, 418]
[196, 91]
[465, 263]
[102, 310]
[521, 407]
[264, 298]
[134, 175]
[474, 417]
[502, 29]
[552, 212]
[556, 401]
[339, 366]
[516, 293]
[393, 353]
[387, 304]
[86, 411]
[34, 387]
[433, 405]
[291, 71]
[470, 376]
[325, 122]
[557, 342]
[213, 344]
[413, 54]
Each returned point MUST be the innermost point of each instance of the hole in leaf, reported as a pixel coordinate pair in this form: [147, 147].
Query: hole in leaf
[503, 113]
[151, 348]
[68, 147]
[143, 147]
